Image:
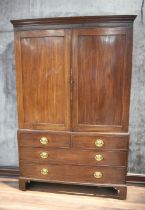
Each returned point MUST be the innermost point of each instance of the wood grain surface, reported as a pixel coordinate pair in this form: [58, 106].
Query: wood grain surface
[43, 79]
[74, 80]
[74, 156]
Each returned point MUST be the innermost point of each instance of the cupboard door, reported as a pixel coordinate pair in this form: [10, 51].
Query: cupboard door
[43, 79]
[101, 79]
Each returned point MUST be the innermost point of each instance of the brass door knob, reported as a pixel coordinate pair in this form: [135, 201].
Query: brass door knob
[44, 171]
[99, 157]
[99, 143]
[98, 175]
[44, 140]
[44, 155]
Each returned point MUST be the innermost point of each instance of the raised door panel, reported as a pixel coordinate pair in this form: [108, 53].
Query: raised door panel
[43, 79]
[101, 77]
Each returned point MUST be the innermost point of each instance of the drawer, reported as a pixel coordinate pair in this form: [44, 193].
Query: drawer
[74, 156]
[43, 139]
[76, 174]
[109, 142]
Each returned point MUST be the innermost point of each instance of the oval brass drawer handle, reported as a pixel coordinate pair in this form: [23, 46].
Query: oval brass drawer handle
[44, 155]
[44, 171]
[44, 140]
[99, 157]
[98, 175]
[99, 143]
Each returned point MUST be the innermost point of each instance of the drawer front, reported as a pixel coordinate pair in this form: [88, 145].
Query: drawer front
[70, 173]
[74, 156]
[43, 139]
[100, 142]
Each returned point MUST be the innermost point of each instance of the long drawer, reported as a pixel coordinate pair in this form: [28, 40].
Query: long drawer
[109, 142]
[74, 156]
[43, 139]
[70, 173]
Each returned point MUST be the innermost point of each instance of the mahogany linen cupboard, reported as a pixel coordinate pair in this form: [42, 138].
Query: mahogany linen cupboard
[73, 92]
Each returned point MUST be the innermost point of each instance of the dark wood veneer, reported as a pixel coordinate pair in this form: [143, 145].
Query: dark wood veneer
[74, 156]
[73, 20]
[70, 173]
[131, 179]
[73, 88]
[32, 139]
[111, 142]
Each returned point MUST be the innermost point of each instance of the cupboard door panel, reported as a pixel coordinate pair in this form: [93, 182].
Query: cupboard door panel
[101, 82]
[44, 69]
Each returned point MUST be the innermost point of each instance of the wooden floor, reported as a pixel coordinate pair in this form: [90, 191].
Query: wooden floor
[44, 196]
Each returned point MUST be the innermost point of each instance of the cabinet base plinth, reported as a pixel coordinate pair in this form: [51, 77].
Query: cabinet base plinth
[122, 192]
[22, 184]
[118, 191]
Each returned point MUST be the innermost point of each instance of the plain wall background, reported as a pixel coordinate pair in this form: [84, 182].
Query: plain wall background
[16, 9]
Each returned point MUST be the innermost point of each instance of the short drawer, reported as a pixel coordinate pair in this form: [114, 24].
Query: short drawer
[76, 174]
[43, 139]
[74, 156]
[109, 142]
